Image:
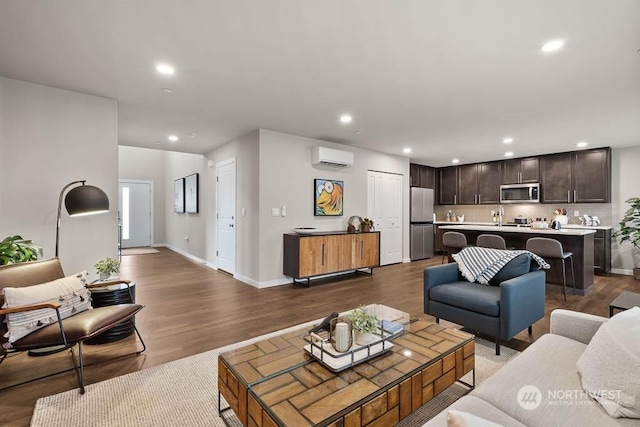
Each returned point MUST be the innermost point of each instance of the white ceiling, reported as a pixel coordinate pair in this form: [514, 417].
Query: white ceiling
[446, 78]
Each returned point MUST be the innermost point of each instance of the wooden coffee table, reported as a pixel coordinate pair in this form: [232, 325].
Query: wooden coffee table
[274, 382]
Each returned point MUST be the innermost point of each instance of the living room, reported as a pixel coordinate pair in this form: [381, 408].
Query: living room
[54, 132]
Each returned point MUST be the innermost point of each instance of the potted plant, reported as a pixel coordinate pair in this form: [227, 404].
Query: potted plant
[106, 267]
[364, 324]
[630, 231]
[15, 249]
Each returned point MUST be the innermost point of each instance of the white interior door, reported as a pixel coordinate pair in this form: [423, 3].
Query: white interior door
[135, 204]
[226, 215]
[385, 208]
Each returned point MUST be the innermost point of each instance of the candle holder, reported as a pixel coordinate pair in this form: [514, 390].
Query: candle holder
[341, 334]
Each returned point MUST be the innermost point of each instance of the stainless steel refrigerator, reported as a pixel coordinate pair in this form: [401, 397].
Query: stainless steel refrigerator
[421, 223]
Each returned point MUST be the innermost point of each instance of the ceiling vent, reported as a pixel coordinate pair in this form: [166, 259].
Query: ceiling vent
[331, 157]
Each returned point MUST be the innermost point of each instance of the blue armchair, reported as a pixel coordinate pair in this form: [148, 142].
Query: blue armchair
[514, 300]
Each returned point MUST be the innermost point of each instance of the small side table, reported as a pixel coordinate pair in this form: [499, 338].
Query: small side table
[113, 293]
[624, 301]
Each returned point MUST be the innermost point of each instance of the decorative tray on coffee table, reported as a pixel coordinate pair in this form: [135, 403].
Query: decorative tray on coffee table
[320, 348]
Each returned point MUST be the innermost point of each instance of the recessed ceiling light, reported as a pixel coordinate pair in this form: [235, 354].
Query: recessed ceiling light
[406, 150]
[509, 153]
[345, 118]
[192, 134]
[167, 90]
[455, 161]
[173, 138]
[552, 45]
[582, 144]
[165, 69]
[358, 132]
[507, 140]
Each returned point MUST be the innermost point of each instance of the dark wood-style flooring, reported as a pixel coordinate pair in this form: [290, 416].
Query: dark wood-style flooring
[191, 308]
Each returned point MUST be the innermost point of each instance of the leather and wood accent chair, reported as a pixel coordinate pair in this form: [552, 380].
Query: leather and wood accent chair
[64, 333]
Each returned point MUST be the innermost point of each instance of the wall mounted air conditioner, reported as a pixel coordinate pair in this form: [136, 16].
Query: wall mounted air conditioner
[331, 157]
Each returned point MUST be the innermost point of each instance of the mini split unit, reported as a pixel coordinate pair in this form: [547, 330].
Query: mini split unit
[331, 157]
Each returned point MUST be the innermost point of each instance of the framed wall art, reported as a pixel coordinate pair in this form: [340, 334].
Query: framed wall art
[178, 195]
[328, 197]
[191, 193]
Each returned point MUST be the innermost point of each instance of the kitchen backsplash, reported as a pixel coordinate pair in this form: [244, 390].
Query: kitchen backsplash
[482, 213]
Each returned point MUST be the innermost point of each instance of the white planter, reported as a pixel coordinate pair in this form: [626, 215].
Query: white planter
[364, 339]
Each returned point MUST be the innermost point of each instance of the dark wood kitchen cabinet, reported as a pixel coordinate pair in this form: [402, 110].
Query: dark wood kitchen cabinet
[592, 176]
[473, 184]
[422, 176]
[602, 251]
[555, 174]
[448, 185]
[519, 171]
[467, 190]
[576, 177]
[489, 183]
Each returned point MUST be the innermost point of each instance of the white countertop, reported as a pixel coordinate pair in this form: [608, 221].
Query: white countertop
[567, 231]
[574, 226]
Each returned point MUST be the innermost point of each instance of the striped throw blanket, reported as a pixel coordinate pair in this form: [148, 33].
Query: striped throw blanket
[480, 264]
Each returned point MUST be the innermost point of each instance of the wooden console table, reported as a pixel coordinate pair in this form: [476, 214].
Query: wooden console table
[316, 254]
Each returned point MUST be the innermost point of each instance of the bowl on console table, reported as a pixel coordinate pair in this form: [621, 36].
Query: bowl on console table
[305, 230]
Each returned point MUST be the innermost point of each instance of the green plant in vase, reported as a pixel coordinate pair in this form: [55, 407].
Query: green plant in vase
[630, 231]
[107, 267]
[14, 249]
[364, 324]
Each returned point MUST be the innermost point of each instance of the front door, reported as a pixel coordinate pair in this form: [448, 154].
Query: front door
[136, 213]
[226, 215]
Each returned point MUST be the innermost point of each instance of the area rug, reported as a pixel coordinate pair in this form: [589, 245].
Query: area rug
[139, 251]
[184, 393]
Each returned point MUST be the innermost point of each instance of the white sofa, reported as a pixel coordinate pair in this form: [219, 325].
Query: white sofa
[550, 365]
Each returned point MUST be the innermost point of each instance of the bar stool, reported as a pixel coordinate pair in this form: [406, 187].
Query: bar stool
[491, 241]
[452, 240]
[551, 248]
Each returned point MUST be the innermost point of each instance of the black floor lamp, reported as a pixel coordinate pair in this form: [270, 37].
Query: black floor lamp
[81, 200]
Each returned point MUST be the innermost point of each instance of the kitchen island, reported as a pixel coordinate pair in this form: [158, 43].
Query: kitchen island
[577, 240]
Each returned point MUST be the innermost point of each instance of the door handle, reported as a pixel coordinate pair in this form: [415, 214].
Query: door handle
[568, 196]
[230, 225]
[575, 195]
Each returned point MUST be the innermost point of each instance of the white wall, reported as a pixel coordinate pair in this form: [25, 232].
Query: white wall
[184, 231]
[48, 138]
[286, 179]
[625, 184]
[245, 152]
[147, 165]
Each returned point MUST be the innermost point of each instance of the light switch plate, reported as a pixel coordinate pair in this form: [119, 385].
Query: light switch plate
[275, 211]
[576, 213]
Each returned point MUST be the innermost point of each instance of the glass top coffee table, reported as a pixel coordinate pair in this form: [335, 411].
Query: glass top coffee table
[276, 382]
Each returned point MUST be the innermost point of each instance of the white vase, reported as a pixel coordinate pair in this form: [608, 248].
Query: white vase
[364, 339]
[104, 276]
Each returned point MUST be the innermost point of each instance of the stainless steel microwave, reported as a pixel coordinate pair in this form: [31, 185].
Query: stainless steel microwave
[520, 193]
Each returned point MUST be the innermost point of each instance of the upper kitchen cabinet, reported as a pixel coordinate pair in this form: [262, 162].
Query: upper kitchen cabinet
[592, 176]
[576, 177]
[473, 184]
[519, 171]
[489, 183]
[422, 176]
[448, 185]
[555, 174]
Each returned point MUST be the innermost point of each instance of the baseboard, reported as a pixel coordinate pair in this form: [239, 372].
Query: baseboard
[188, 255]
[622, 271]
[406, 260]
[247, 280]
[276, 282]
